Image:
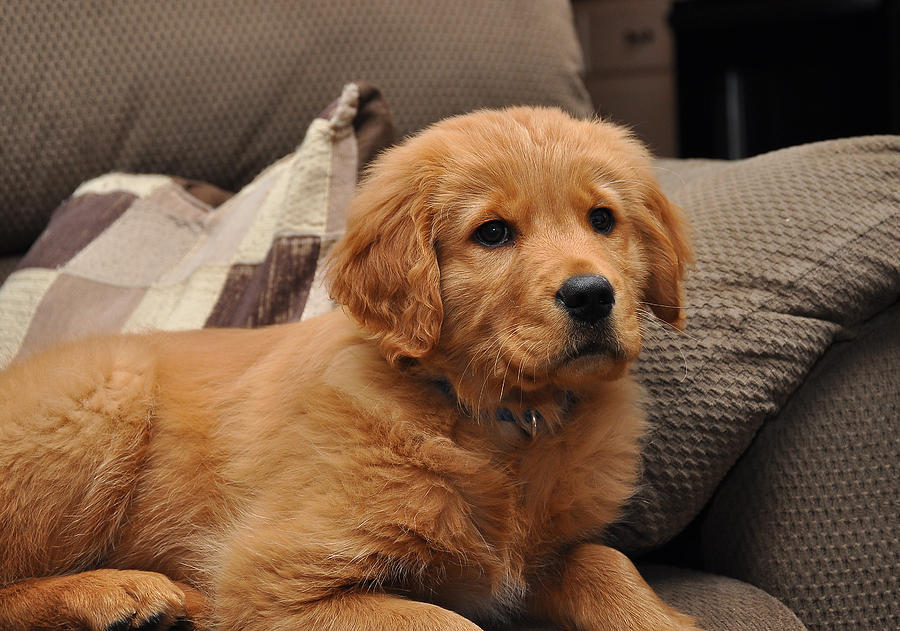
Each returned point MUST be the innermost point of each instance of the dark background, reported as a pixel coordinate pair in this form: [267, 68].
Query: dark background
[750, 76]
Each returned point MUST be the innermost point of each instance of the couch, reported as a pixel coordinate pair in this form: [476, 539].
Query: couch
[180, 165]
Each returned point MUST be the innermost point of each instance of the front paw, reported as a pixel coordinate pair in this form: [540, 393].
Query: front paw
[109, 600]
[601, 590]
[131, 599]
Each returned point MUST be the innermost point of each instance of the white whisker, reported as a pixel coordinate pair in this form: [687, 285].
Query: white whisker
[645, 316]
[656, 167]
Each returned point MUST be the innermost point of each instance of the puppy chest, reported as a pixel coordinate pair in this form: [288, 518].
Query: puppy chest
[448, 540]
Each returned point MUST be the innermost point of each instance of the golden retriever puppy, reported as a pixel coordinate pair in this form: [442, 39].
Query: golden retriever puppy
[441, 453]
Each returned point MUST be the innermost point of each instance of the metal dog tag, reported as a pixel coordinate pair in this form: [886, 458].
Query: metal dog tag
[529, 422]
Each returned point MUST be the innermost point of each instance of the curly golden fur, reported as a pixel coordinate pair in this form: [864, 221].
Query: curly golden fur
[442, 453]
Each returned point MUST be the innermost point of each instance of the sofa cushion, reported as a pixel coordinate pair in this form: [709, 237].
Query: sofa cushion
[216, 89]
[8, 264]
[136, 252]
[794, 249]
[720, 603]
[810, 513]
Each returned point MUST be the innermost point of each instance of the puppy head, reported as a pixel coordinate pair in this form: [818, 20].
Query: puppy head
[512, 249]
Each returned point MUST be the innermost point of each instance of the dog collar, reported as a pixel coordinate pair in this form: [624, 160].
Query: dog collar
[529, 421]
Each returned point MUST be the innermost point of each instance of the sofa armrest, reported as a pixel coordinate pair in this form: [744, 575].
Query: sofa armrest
[809, 514]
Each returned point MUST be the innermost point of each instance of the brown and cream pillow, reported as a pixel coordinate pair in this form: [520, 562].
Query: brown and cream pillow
[138, 252]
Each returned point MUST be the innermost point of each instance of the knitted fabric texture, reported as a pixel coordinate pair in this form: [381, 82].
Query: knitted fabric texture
[215, 89]
[794, 249]
[810, 513]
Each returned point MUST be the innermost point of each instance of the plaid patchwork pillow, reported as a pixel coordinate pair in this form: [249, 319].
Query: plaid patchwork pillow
[138, 252]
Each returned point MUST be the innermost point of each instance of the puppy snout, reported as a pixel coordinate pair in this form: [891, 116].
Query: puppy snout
[587, 298]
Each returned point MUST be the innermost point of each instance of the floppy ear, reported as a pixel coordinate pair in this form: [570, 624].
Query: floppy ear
[664, 233]
[385, 271]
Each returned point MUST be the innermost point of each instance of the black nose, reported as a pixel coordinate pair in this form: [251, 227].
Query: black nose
[587, 298]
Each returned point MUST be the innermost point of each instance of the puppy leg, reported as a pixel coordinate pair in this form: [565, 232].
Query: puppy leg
[74, 430]
[350, 611]
[281, 577]
[601, 590]
[99, 600]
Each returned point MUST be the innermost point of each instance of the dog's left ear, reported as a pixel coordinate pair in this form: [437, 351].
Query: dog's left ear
[385, 271]
[664, 234]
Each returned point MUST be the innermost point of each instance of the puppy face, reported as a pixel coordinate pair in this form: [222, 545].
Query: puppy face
[513, 249]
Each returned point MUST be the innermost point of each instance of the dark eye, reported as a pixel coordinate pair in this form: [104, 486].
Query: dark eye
[493, 234]
[602, 220]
